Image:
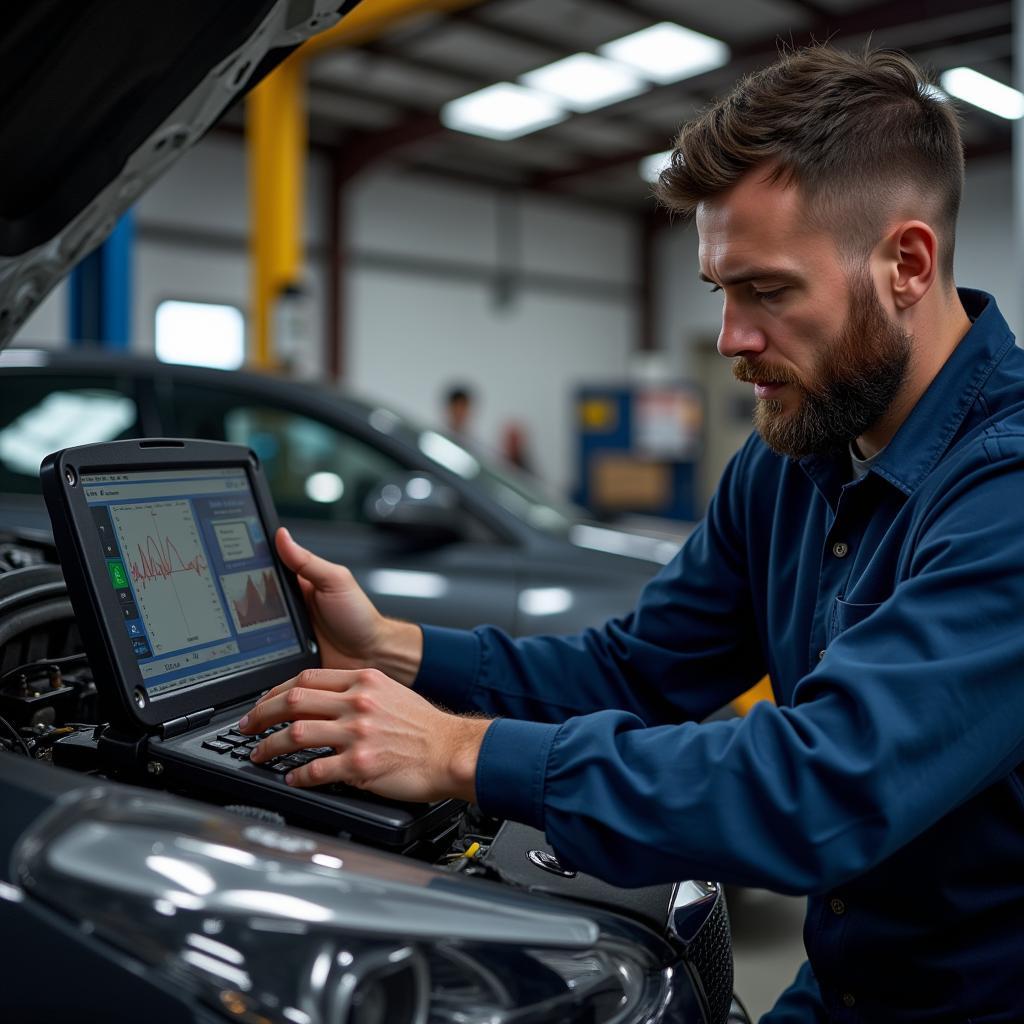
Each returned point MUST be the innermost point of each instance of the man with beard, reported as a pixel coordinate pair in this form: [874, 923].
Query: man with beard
[864, 548]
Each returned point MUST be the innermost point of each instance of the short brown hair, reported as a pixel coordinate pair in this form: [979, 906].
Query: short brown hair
[853, 132]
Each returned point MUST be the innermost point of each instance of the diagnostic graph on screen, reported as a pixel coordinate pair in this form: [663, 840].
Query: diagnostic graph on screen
[255, 599]
[174, 590]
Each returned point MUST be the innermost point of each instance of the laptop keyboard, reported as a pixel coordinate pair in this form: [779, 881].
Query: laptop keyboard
[230, 743]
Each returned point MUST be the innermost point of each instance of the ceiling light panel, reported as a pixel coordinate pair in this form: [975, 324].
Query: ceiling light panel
[586, 82]
[503, 111]
[982, 91]
[651, 166]
[667, 52]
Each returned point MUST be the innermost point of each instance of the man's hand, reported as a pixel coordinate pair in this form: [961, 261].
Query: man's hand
[351, 632]
[386, 738]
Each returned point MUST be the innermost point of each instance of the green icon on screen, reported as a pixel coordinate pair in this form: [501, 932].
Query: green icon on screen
[117, 574]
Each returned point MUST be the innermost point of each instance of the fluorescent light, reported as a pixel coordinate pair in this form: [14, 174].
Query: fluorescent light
[450, 455]
[621, 543]
[188, 876]
[419, 488]
[984, 92]
[275, 904]
[324, 487]
[585, 82]
[60, 419]
[668, 52]
[503, 111]
[933, 92]
[211, 965]
[406, 583]
[651, 166]
[539, 601]
[215, 948]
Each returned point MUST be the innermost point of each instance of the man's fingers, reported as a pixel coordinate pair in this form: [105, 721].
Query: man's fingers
[335, 680]
[319, 772]
[300, 736]
[322, 574]
[304, 699]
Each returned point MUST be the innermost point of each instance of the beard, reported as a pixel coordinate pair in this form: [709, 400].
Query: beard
[858, 374]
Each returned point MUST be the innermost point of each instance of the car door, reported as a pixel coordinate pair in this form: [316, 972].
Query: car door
[320, 474]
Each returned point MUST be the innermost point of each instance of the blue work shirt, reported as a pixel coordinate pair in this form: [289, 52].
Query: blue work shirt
[887, 782]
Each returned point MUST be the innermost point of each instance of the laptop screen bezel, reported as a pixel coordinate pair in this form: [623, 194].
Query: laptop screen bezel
[95, 599]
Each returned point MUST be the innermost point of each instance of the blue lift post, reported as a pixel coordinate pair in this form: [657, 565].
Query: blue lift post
[100, 307]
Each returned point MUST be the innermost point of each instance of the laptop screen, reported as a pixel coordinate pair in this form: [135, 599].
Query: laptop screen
[190, 562]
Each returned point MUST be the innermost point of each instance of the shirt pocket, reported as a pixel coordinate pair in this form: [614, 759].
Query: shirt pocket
[846, 614]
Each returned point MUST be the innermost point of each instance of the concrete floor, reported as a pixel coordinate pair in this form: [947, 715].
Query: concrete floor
[767, 945]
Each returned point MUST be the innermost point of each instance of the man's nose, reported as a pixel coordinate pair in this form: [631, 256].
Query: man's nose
[739, 335]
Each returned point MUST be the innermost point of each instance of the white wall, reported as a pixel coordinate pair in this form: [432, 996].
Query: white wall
[523, 298]
[520, 298]
[984, 245]
[425, 306]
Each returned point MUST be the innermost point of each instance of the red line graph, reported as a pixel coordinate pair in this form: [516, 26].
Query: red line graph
[155, 563]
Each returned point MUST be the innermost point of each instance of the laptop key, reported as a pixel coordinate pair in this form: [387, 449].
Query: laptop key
[280, 767]
[219, 745]
[242, 753]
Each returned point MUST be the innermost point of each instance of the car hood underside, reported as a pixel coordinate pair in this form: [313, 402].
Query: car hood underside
[98, 99]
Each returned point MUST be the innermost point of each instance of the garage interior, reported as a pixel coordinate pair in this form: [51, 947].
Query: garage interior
[362, 241]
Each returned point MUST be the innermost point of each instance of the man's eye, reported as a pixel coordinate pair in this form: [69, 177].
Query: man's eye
[715, 288]
[769, 296]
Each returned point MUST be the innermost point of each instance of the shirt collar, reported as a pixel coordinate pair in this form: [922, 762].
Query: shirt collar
[926, 433]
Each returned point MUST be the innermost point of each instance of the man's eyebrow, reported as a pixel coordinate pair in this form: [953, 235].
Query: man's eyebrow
[752, 274]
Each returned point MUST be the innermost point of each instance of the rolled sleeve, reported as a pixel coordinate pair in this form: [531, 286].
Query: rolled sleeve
[450, 665]
[511, 769]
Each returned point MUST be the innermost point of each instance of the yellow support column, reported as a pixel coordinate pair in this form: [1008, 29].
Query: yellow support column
[276, 128]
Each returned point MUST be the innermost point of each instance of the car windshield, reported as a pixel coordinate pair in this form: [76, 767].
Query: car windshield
[523, 495]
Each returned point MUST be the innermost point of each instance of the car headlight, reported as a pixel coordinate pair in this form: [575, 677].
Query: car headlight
[274, 925]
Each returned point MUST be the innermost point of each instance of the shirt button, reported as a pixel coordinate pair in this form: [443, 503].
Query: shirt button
[840, 549]
[837, 906]
[848, 999]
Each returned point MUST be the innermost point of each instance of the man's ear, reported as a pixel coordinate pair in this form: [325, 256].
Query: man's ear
[910, 252]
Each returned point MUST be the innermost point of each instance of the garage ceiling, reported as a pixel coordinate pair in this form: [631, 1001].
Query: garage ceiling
[380, 101]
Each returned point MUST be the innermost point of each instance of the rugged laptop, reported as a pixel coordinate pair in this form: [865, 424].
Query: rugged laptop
[187, 615]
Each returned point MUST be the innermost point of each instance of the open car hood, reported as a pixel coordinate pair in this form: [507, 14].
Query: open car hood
[97, 99]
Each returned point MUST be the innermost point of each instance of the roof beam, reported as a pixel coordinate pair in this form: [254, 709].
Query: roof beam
[362, 150]
[889, 15]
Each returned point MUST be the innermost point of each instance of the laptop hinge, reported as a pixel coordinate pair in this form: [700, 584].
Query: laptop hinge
[176, 726]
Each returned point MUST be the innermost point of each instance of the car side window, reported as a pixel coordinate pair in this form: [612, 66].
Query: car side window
[43, 413]
[314, 470]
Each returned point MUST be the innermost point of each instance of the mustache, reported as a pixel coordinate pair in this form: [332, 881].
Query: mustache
[761, 373]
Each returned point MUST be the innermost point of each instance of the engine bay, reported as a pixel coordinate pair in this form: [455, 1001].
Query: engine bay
[49, 713]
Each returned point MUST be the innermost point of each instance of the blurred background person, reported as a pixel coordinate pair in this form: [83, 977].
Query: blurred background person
[515, 446]
[458, 411]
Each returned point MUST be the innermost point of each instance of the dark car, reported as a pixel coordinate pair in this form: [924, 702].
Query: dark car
[432, 530]
[120, 897]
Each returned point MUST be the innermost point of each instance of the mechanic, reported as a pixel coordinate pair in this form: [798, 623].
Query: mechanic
[865, 548]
